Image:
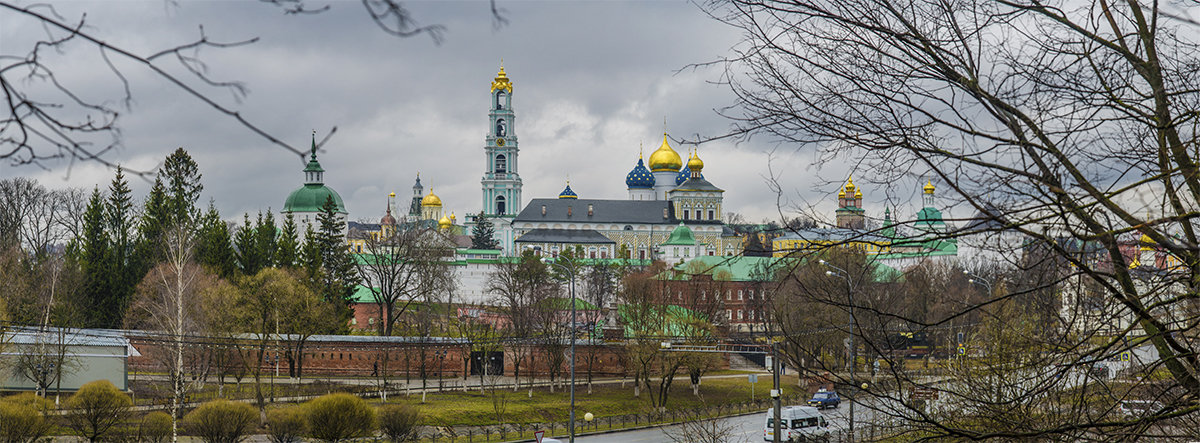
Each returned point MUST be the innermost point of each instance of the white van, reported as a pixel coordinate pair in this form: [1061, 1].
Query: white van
[796, 423]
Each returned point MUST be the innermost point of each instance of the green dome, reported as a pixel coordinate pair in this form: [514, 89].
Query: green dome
[681, 236]
[310, 198]
[930, 217]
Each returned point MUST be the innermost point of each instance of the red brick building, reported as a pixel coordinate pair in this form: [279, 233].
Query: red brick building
[737, 288]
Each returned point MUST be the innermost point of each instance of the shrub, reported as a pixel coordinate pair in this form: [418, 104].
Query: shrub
[21, 422]
[155, 427]
[339, 417]
[96, 409]
[285, 425]
[221, 421]
[30, 399]
[398, 422]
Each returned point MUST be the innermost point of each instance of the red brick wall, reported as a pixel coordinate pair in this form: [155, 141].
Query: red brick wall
[360, 356]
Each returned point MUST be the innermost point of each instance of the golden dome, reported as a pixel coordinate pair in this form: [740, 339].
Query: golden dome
[849, 185]
[842, 194]
[444, 223]
[665, 158]
[929, 187]
[501, 81]
[858, 194]
[694, 163]
[431, 199]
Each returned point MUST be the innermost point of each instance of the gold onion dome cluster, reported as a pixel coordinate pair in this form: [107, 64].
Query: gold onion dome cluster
[694, 163]
[849, 188]
[431, 199]
[664, 158]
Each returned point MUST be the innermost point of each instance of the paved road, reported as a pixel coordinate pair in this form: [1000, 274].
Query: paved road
[745, 428]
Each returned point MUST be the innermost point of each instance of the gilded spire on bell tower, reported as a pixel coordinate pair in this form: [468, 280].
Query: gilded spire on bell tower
[502, 81]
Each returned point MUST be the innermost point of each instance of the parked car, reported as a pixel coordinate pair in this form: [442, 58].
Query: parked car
[825, 399]
[796, 423]
[1138, 407]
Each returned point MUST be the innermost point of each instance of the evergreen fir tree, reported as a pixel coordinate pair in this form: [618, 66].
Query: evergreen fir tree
[155, 218]
[338, 278]
[754, 246]
[249, 253]
[214, 247]
[183, 186]
[310, 256]
[287, 248]
[93, 259]
[265, 233]
[484, 234]
[125, 268]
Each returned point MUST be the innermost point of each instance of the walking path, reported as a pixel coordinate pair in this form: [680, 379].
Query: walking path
[400, 387]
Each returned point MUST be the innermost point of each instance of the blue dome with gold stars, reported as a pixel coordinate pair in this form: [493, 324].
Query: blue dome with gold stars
[568, 193]
[684, 174]
[639, 177]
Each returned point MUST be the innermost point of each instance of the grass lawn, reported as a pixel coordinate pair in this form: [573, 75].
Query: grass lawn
[473, 408]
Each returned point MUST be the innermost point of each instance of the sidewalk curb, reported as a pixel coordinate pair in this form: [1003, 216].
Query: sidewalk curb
[635, 428]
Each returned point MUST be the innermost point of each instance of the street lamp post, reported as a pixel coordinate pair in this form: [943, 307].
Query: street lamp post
[977, 280]
[853, 350]
[570, 270]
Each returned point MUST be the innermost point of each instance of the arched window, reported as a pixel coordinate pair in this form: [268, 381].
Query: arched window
[500, 128]
[500, 205]
[501, 163]
[500, 100]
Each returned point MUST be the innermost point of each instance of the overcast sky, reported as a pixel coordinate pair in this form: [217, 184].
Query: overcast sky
[593, 80]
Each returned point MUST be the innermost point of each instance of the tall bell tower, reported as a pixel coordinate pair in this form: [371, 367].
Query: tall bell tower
[501, 182]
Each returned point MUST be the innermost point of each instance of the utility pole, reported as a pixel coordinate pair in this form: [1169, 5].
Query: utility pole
[775, 392]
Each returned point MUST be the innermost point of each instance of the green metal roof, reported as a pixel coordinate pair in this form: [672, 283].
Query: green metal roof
[681, 236]
[311, 197]
[679, 321]
[495, 252]
[564, 303]
[362, 294]
[739, 268]
[735, 268]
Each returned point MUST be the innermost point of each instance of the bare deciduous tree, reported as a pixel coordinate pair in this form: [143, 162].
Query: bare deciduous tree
[167, 302]
[696, 428]
[1071, 126]
[399, 263]
[48, 117]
